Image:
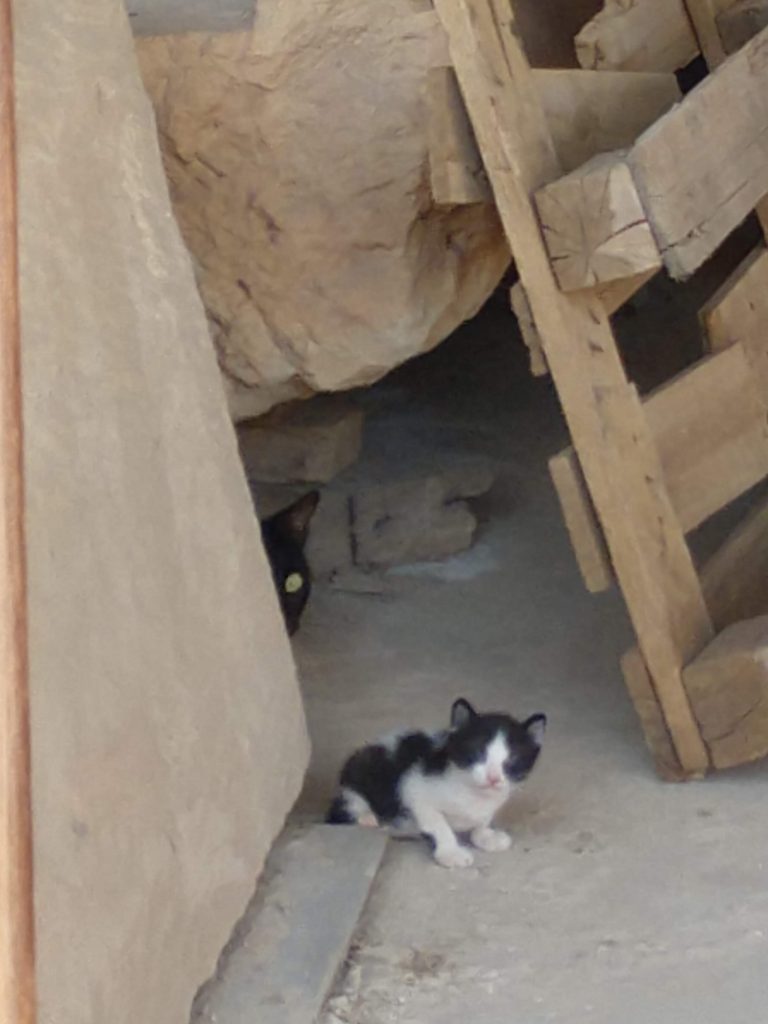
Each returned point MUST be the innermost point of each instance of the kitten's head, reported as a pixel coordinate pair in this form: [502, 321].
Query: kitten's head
[284, 535]
[496, 751]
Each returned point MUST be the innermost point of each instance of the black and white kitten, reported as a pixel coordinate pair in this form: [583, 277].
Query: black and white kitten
[445, 783]
[285, 535]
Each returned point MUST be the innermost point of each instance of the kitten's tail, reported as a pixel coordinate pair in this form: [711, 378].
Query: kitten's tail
[339, 812]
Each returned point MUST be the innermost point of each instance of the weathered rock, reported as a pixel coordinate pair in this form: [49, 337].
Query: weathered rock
[162, 682]
[304, 441]
[416, 520]
[297, 156]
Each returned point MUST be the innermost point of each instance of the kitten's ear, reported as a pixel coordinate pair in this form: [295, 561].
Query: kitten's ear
[461, 713]
[293, 521]
[536, 726]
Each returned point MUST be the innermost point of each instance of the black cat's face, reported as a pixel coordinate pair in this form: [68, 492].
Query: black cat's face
[285, 535]
[496, 751]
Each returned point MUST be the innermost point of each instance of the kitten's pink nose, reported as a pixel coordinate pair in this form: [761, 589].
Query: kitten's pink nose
[494, 779]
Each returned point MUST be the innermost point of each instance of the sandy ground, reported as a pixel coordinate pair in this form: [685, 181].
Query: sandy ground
[623, 899]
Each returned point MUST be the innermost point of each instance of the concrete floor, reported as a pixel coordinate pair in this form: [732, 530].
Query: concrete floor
[623, 899]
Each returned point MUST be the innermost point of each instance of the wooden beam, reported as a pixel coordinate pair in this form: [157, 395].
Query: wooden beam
[728, 688]
[456, 171]
[638, 35]
[581, 521]
[17, 978]
[592, 112]
[703, 15]
[710, 424]
[739, 23]
[737, 314]
[588, 112]
[735, 579]
[605, 417]
[690, 185]
[518, 300]
[646, 704]
[594, 225]
[703, 167]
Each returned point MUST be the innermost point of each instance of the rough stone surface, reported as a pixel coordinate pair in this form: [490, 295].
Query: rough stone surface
[295, 936]
[416, 520]
[297, 156]
[304, 441]
[163, 689]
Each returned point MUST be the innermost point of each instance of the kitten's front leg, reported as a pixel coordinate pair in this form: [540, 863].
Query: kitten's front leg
[492, 840]
[447, 850]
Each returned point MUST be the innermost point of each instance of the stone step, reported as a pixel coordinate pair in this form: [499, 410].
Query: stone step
[294, 937]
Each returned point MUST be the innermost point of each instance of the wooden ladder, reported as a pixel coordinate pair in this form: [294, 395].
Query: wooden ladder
[601, 178]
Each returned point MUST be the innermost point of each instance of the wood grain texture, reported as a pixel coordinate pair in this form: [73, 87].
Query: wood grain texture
[735, 578]
[588, 112]
[604, 414]
[737, 314]
[581, 521]
[456, 171]
[17, 980]
[592, 112]
[595, 227]
[648, 710]
[703, 167]
[728, 688]
[638, 35]
[710, 424]
[518, 300]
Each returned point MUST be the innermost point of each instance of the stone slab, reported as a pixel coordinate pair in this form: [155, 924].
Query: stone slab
[296, 933]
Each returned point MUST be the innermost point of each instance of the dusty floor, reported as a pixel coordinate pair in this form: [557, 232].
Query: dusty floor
[623, 899]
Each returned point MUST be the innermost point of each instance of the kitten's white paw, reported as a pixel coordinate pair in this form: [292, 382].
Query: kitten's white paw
[491, 840]
[455, 857]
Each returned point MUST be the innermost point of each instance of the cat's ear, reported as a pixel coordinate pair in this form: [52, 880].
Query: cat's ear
[536, 726]
[462, 712]
[294, 521]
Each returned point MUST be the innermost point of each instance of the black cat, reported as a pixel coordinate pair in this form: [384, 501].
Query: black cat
[285, 535]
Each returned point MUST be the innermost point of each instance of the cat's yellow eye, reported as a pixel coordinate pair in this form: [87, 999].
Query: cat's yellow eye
[293, 583]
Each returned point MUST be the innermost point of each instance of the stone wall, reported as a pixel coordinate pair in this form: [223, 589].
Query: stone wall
[168, 734]
[298, 162]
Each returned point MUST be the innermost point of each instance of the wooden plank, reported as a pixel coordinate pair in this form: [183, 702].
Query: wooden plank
[17, 978]
[728, 688]
[605, 417]
[710, 424]
[591, 112]
[612, 296]
[547, 30]
[703, 14]
[739, 23]
[456, 171]
[594, 225]
[638, 35]
[518, 300]
[735, 579]
[738, 314]
[581, 521]
[703, 167]
[648, 709]
[588, 112]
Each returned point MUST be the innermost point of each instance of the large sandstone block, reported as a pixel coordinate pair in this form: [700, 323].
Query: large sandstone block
[163, 689]
[297, 156]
